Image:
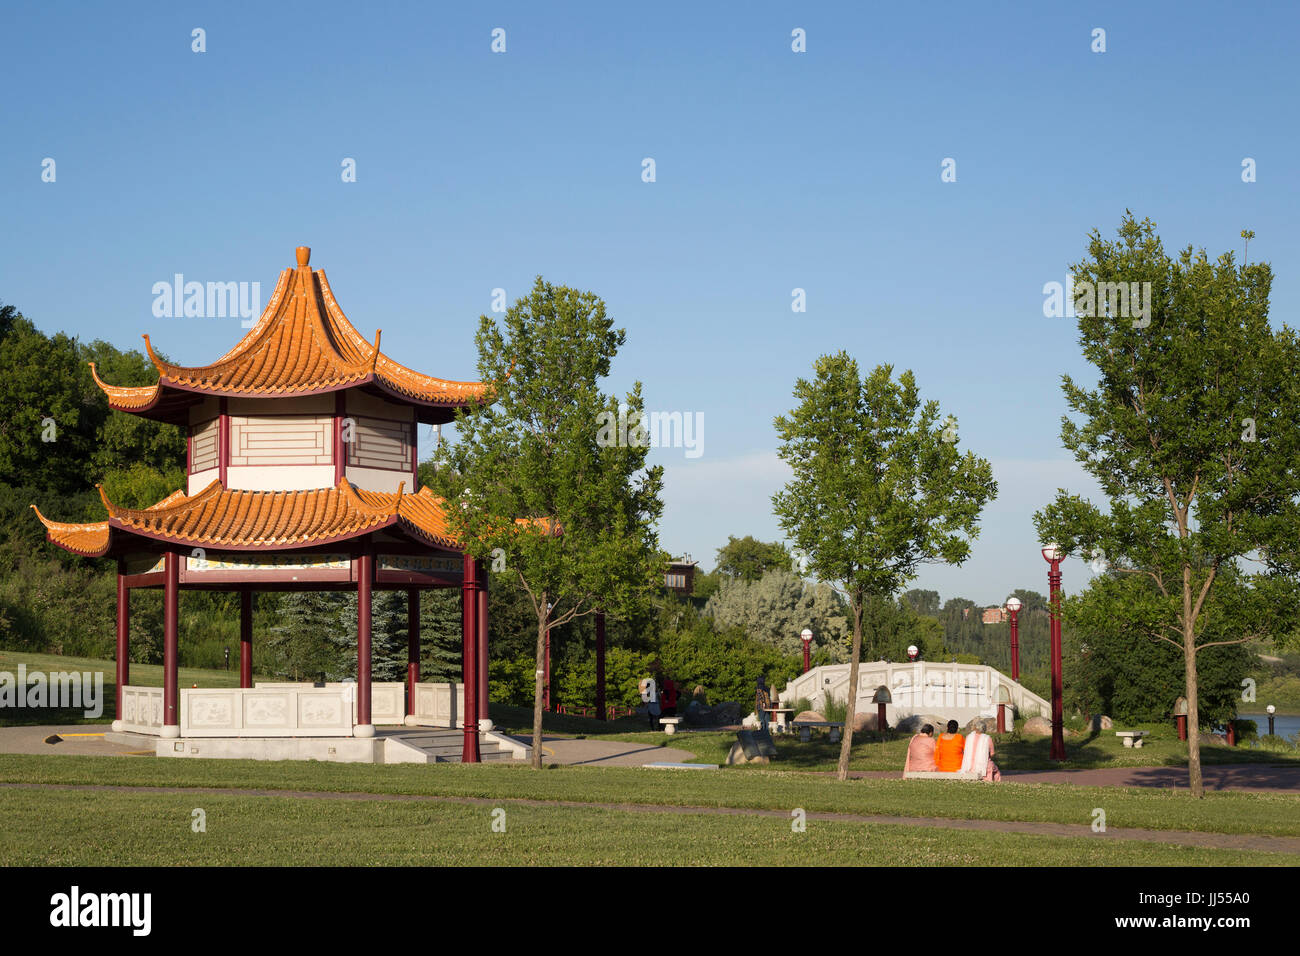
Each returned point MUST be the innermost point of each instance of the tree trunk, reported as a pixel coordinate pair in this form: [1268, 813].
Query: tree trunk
[1193, 715]
[846, 741]
[543, 619]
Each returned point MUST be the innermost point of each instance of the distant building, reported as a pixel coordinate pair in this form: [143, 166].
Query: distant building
[680, 576]
[995, 615]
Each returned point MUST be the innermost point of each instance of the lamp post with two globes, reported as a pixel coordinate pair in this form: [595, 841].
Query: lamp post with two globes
[1052, 554]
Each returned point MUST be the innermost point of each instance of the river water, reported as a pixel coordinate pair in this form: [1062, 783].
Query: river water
[1286, 725]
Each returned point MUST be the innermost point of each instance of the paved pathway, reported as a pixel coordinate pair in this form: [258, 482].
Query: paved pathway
[1221, 841]
[1251, 777]
[593, 751]
[82, 740]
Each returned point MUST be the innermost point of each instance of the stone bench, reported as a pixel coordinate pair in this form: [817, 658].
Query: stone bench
[669, 724]
[941, 775]
[805, 728]
[1131, 738]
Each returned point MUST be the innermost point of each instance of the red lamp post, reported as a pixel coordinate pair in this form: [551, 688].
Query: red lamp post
[806, 636]
[1052, 554]
[1013, 609]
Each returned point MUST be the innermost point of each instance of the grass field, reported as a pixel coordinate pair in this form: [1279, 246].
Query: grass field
[130, 829]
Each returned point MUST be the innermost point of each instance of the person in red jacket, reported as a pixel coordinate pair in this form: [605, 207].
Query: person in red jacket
[668, 696]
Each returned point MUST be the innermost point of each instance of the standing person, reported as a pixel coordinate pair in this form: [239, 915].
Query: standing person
[668, 697]
[762, 701]
[948, 749]
[650, 695]
[920, 751]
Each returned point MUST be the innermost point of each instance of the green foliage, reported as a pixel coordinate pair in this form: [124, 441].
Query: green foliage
[775, 608]
[749, 559]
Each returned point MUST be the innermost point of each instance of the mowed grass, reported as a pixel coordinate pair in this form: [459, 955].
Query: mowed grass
[1218, 812]
[146, 829]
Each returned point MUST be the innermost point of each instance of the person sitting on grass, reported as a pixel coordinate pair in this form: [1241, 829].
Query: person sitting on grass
[920, 751]
[948, 749]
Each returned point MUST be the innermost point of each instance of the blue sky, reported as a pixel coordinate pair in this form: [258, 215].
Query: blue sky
[774, 170]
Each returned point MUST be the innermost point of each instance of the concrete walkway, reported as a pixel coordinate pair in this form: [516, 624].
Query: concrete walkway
[80, 740]
[87, 740]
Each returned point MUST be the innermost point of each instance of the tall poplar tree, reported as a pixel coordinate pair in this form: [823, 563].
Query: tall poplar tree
[548, 480]
[1191, 432]
[879, 488]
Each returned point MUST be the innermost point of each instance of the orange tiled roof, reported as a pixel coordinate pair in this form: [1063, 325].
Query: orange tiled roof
[303, 344]
[260, 520]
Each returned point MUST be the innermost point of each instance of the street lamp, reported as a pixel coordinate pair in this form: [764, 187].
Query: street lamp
[1052, 554]
[1180, 715]
[1013, 608]
[1270, 708]
[1002, 697]
[913, 652]
[880, 699]
[806, 636]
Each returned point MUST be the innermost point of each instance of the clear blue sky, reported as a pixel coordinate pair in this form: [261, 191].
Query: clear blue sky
[775, 170]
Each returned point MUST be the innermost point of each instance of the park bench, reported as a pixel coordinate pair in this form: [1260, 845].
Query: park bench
[1131, 738]
[805, 728]
[941, 775]
[669, 724]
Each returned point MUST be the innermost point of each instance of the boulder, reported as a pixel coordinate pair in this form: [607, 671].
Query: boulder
[810, 715]
[1037, 727]
[736, 755]
[863, 722]
[913, 724]
[985, 725]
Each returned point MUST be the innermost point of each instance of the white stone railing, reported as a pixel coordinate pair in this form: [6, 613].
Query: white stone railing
[387, 698]
[294, 711]
[142, 710]
[439, 705]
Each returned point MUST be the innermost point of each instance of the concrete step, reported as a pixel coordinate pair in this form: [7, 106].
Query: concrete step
[443, 747]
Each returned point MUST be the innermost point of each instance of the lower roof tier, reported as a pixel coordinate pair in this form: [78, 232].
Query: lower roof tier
[218, 517]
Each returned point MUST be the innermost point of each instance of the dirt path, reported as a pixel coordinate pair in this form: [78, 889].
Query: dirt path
[1217, 841]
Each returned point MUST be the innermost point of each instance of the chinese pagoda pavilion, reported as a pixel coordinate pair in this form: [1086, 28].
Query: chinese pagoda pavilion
[301, 447]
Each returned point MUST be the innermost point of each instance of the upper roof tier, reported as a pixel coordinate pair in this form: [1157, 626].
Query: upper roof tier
[303, 344]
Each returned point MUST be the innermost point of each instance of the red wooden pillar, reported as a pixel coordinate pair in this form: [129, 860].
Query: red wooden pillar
[123, 644]
[469, 660]
[412, 648]
[1182, 726]
[600, 665]
[365, 582]
[481, 620]
[171, 645]
[245, 638]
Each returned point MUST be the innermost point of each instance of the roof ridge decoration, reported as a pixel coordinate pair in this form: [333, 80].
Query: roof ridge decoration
[302, 344]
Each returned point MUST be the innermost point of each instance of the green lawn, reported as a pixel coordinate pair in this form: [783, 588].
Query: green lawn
[1220, 812]
[141, 829]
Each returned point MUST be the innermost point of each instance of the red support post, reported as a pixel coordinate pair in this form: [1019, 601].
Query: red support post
[881, 724]
[469, 661]
[412, 647]
[1002, 718]
[481, 622]
[600, 665]
[171, 645]
[1182, 726]
[245, 638]
[365, 582]
[123, 643]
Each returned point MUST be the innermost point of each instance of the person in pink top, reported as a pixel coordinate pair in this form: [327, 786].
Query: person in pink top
[920, 751]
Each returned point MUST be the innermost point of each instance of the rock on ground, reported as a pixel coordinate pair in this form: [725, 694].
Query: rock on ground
[1037, 727]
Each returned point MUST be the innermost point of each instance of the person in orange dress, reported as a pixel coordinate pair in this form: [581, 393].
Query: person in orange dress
[948, 749]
